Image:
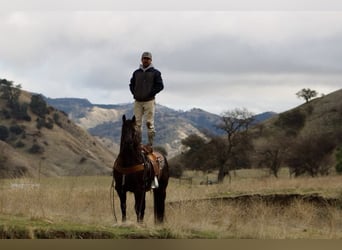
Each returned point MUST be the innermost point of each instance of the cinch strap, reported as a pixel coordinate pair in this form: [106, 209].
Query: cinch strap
[129, 170]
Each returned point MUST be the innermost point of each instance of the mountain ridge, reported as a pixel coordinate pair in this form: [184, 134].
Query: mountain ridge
[104, 122]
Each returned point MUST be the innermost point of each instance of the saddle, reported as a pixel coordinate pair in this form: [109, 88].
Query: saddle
[155, 158]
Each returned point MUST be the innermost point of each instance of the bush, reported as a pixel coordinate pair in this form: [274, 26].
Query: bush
[6, 114]
[4, 133]
[309, 155]
[20, 144]
[49, 123]
[176, 170]
[338, 166]
[56, 119]
[38, 105]
[16, 129]
[36, 149]
[19, 111]
[291, 121]
[40, 123]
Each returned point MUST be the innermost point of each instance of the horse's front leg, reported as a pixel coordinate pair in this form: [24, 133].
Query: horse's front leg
[123, 196]
[140, 205]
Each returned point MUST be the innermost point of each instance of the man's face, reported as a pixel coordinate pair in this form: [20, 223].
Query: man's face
[146, 61]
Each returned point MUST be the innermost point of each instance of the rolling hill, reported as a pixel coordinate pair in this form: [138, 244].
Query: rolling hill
[46, 145]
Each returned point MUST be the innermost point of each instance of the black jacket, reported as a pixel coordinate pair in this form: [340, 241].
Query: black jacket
[145, 84]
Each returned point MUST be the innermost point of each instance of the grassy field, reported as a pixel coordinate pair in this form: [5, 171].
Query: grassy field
[80, 207]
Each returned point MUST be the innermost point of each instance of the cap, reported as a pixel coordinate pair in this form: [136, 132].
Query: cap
[147, 54]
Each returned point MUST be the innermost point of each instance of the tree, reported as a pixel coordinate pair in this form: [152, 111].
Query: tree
[235, 123]
[307, 94]
[38, 105]
[291, 121]
[310, 154]
[195, 156]
[338, 166]
[193, 141]
[273, 153]
[10, 92]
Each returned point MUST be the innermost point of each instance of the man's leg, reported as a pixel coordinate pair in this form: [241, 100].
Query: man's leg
[150, 109]
[138, 110]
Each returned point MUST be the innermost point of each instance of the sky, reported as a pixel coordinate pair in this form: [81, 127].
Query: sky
[216, 60]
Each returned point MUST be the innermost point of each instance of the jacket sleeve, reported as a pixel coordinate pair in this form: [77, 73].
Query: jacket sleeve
[132, 84]
[158, 83]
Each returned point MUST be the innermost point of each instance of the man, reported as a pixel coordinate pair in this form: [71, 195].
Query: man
[145, 83]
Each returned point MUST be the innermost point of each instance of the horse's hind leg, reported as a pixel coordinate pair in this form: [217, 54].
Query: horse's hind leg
[139, 206]
[159, 196]
[123, 196]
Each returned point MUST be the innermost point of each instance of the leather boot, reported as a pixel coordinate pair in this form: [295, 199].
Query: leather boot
[150, 138]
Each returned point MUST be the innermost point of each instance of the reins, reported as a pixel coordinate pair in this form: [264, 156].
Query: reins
[111, 193]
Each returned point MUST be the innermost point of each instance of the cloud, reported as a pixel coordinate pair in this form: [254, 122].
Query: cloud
[209, 59]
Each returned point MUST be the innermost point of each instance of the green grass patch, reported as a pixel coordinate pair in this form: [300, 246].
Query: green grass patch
[15, 227]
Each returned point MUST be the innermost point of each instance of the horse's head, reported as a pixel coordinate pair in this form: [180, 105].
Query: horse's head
[130, 137]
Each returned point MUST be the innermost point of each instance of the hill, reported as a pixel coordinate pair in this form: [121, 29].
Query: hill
[104, 122]
[319, 116]
[48, 144]
[304, 139]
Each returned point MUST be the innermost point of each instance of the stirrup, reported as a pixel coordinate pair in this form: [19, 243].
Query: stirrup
[155, 183]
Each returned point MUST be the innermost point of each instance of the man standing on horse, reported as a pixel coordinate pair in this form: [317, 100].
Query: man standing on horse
[145, 84]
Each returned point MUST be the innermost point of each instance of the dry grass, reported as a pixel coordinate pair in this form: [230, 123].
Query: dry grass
[86, 200]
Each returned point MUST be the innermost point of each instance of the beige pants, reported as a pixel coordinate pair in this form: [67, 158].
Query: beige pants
[145, 110]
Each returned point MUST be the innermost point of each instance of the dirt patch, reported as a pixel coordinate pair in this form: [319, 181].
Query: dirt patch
[271, 199]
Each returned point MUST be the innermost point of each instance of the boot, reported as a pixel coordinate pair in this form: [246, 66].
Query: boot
[150, 138]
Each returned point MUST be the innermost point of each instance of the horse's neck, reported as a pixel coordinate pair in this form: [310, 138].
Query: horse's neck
[131, 157]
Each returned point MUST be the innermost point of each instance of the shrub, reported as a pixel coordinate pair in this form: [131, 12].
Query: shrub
[16, 129]
[36, 149]
[176, 170]
[49, 123]
[38, 105]
[4, 133]
[338, 166]
[40, 123]
[19, 111]
[20, 144]
[56, 119]
[309, 155]
[6, 114]
[291, 121]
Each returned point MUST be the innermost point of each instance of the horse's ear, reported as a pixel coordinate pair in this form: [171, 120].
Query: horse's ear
[124, 118]
[133, 118]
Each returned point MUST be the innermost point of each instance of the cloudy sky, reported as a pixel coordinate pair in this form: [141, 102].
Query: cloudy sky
[214, 60]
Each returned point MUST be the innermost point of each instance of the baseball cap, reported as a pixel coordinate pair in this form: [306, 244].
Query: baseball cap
[146, 54]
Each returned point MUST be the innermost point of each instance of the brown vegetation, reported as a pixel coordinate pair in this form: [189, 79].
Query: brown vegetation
[253, 205]
[304, 139]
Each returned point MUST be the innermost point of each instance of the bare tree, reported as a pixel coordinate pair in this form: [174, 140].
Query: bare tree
[235, 123]
[273, 153]
[307, 94]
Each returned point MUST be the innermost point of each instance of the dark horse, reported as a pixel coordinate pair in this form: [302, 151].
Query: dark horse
[133, 171]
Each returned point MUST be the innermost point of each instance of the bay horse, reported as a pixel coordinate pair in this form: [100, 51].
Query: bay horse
[134, 171]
